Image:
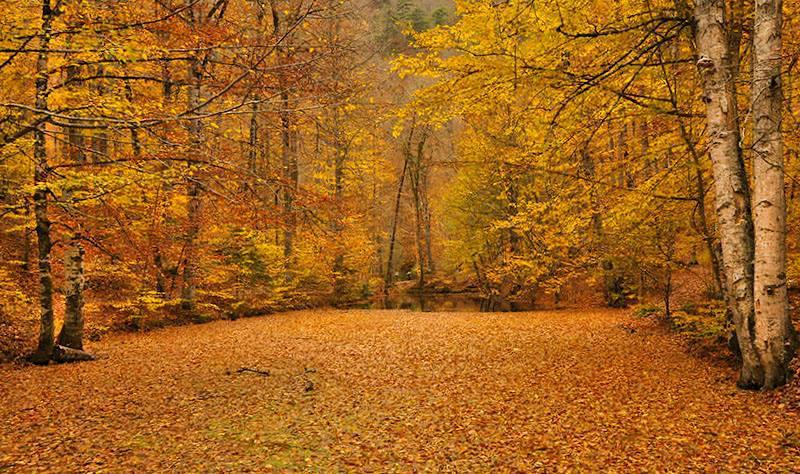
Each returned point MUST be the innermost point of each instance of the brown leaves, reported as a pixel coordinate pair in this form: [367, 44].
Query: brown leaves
[393, 391]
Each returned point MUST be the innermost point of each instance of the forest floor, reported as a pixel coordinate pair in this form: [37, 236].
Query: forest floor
[393, 391]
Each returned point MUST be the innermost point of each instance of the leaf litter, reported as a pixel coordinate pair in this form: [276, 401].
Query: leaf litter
[393, 391]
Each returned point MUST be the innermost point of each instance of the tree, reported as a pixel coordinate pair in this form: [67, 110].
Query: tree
[40, 195]
[732, 188]
[439, 17]
[71, 334]
[774, 335]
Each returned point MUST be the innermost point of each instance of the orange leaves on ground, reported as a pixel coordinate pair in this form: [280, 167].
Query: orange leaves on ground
[393, 391]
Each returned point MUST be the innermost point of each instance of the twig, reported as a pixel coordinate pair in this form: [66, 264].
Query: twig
[241, 370]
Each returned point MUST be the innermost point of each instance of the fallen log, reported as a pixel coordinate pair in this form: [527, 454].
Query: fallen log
[63, 354]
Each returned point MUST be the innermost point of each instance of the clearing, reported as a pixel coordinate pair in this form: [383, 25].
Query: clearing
[370, 390]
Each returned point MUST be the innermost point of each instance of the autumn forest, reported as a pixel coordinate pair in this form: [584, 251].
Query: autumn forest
[399, 236]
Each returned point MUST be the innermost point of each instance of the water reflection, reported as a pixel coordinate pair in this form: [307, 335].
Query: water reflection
[446, 302]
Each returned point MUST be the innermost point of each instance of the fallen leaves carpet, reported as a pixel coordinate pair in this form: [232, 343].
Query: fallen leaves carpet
[392, 391]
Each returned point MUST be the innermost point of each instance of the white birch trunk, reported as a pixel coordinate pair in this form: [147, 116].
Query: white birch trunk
[731, 186]
[774, 335]
[71, 334]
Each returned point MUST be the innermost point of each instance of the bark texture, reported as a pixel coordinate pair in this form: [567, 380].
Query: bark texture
[40, 195]
[63, 354]
[731, 187]
[774, 335]
[71, 334]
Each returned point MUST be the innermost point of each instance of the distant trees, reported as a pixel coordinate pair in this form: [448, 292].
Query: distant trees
[404, 16]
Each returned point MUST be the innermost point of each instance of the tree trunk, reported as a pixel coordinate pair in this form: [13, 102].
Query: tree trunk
[252, 152]
[159, 203]
[158, 263]
[99, 141]
[418, 234]
[193, 187]
[290, 172]
[730, 179]
[426, 216]
[136, 146]
[71, 334]
[376, 230]
[417, 172]
[290, 176]
[188, 290]
[393, 236]
[340, 156]
[340, 282]
[702, 221]
[40, 196]
[63, 354]
[612, 284]
[25, 266]
[774, 334]
[702, 225]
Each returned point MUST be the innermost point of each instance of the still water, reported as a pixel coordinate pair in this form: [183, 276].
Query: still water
[444, 302]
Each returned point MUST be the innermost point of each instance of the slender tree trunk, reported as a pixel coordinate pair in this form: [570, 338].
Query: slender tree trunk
[158, 218]
[389, 280]
[26, 244]
[340, 282]
[393, 235]
[418, 224]
[378, 234]
[417, 170]
[252, 152]
[426, 216]
[702, 219]
[188, 290]
[40, 196]
[420, 250]
[136, 146]
[290, 172]
[290, 176]
[71, 334]
[612, 284]
[158, 262]
[588, 168]
[703, 228]
[730, 179]
[774, 333]
[99, 140]
[159, 204]
[193, 186]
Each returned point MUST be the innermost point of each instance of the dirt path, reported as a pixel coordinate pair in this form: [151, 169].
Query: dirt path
[392, 391]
